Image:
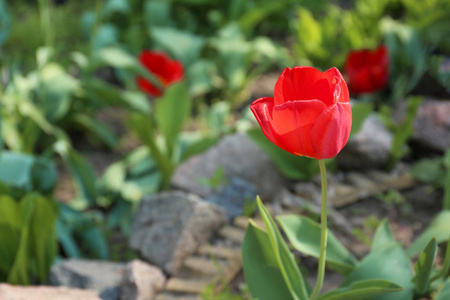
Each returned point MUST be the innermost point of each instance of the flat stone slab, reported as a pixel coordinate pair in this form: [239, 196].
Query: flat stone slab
[12, 292]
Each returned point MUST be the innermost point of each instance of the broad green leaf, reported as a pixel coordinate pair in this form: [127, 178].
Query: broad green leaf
[157, 13]
[424, 266]
[385, 263]
[383, 236]
[97, 128]
[362, 289]
[360, 112]
[26, 172]
[439, 228]
[290, 165]
[288, 266]
[9, 244]
[82, 172]
[19, 272]
[65, 238]
[444, 294]
[94, 242]
[56, 87]
[261, 269]
[190, 144]
[428, 170]
[43, 242]
[187, 47]
[304, 235]
[171, 111]
[15, 169]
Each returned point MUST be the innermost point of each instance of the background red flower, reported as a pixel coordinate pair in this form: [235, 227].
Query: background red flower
[366, 70]
[159, 64]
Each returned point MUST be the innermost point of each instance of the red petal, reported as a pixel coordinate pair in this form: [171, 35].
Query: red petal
[167, 70]
[302, 83]
[331, 131]
[288, 125]
[338, 85]
[147, 87]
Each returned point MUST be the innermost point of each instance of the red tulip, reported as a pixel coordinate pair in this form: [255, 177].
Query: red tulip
[166, 70]
[310, 113]
[367, 71]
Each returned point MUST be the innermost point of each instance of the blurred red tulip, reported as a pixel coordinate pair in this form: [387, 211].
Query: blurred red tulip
[367, 71]
[310, 114]
[159, 64]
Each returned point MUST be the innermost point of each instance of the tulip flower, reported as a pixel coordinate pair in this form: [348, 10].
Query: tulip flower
[367, 71]
[310, 113]
[159, 64]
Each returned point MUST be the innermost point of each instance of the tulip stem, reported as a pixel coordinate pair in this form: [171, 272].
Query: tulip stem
[324, 232]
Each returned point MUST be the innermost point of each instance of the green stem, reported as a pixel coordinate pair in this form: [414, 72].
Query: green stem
[324, 232]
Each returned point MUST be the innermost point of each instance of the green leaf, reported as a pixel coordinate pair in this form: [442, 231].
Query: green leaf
[446, 265]
[383, 236]
[26, 172]
[428, 170]
[304, 235]
[290, 165]
[362, 289]
[43, 242]
[192, 144]
[424, 266]
[444, 294]
[285, 259]
[385, 263]
[56, 88]
[261, 270]
[439, 228]
[66, 240]
[97, 128]
[171, 111]
[360, 112]
[18, 273]
[187, 47]
[81, 171]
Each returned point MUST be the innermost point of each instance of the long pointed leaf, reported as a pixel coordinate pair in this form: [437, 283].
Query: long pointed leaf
[289, 269]
[362, 289]
[304, 235]
[424, 266]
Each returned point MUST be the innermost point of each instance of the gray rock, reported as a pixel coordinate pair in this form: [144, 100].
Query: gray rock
[239, 157]
[101, 276]
[142, 281]
[369, 148]
[234, 197]
[11, 292]
[170, 226]
[432, 125]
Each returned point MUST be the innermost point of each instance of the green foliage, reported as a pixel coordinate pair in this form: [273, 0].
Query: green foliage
[362, 289]
[402, 131]
[27, 238]
[424, 266]
[439, 229]
[304, 235]
[436, 172]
